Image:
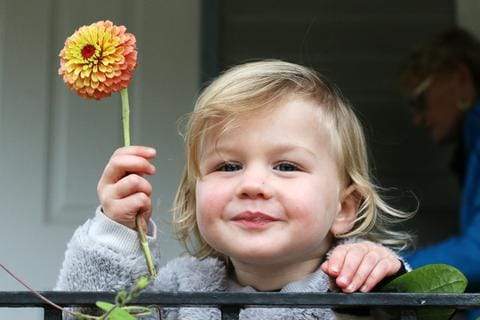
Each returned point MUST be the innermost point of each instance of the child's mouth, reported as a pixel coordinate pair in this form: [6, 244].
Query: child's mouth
[253, 220]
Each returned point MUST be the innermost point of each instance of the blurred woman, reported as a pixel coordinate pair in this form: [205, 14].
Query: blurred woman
[442, 81]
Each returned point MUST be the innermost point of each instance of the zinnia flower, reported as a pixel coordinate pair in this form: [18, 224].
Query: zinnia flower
[98, 60]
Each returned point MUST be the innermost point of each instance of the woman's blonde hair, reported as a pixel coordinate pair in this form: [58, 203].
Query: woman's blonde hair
[254, 86]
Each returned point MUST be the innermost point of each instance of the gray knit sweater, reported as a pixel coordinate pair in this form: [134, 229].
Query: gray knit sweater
[105, 256]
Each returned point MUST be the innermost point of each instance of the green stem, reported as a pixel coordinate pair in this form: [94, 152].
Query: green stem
[147, 253]
[140, 222]
[125, 117]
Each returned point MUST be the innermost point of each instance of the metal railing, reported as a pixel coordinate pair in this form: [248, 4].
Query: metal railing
[230, 304]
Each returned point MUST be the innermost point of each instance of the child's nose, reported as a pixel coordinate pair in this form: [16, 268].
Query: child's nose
[254, 184]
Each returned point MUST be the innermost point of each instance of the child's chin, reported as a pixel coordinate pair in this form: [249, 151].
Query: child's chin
[258, 257]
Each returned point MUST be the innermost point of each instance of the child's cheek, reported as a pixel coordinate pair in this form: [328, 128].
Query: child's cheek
[211, 200]
[312, 208]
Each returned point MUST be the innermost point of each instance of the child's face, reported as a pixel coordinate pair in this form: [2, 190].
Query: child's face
[270, 189]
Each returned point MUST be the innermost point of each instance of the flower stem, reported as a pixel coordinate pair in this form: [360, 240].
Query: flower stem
[125, 117]
[140, 222]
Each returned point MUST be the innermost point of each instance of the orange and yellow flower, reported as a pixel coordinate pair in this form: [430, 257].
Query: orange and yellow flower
[98, 60]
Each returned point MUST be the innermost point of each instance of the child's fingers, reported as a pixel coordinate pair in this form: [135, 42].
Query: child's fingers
[381, 270]
[324, 266]
[367, 264]
[131, 184]
[125, 210]
[120, 165]
[350, 266]
[336, 260]
[141, 151]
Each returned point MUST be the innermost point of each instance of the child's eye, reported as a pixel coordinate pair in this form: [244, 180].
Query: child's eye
[229, 166]
[286, 166]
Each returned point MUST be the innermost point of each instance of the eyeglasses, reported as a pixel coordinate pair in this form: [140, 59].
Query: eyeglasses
[417, 101]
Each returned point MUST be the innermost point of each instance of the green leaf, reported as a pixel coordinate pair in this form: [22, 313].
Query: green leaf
[438, 278]
[120, 314]
[105, 306]
[432, 278]
[116, 314]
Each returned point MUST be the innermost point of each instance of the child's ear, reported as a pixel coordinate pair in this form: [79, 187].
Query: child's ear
[347, 213]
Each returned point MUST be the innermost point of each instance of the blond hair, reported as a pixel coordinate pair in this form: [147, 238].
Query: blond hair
[254, 86]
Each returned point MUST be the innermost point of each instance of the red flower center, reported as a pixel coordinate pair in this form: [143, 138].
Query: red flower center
[88, 51]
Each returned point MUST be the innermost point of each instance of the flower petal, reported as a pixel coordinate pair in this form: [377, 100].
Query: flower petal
[109, 69]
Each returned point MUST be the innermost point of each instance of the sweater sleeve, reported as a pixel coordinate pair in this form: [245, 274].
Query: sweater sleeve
[104, 255]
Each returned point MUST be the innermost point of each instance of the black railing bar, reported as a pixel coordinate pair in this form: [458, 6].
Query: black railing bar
[265, 299]
[230, 312]
[52, 314]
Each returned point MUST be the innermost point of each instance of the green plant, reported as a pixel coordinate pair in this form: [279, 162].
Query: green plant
[118, 311]
[433, 278]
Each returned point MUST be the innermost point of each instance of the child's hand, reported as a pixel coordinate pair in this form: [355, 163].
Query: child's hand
[361, 265]
[122, 189]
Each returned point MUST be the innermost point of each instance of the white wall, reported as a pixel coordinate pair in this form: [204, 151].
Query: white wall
[54, 145]
[468, 15]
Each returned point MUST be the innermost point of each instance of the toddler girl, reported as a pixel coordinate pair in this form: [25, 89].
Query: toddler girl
[276, 179]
